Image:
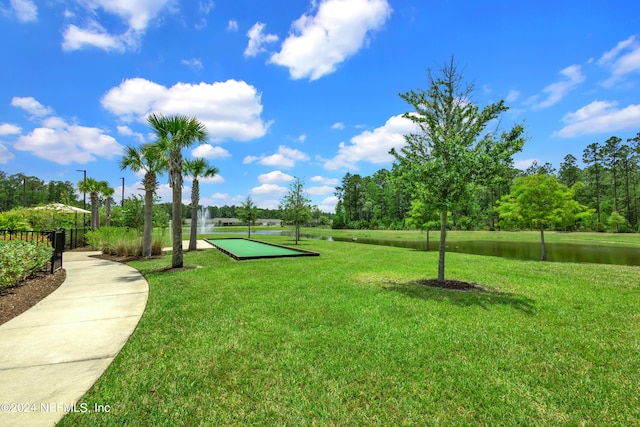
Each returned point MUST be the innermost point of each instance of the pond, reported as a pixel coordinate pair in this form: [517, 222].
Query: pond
[558, 252]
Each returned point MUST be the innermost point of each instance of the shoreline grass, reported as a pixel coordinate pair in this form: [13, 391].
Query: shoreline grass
[348, 338]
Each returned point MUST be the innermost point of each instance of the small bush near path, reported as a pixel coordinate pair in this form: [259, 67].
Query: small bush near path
[19, 259]
[122, 242]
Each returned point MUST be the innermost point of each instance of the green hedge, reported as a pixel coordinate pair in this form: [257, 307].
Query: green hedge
[20, 259]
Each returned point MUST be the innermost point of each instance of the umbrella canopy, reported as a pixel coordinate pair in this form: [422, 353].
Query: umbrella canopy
[59, 207]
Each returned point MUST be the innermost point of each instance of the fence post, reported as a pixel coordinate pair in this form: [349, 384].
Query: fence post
[57, 242]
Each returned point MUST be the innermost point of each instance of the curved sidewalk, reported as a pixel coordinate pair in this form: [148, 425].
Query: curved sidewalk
[53, 353]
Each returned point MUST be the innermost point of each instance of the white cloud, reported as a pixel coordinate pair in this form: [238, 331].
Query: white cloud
[372, 146]
[229, 110]
[136, 13]
[302, 138]
[221, 199]
[285, 157]
[205, 7]
[512, 95]
[194, 63]
[599, 117]
[525, 163]
[317, 44]
[31, 106]
[216, 179]
[274, 177]
[325, 181]
[165, 193]
[249, 159]
[623, 59]
[62, 143]
[75, 38]
[257, 39]
[319, 191]
[9, 129]
[5, 154]
[268, 204]
[272, 190]
[328, 204]
[556, 91]
[338, 125]
[25, 10]
[208, 151]
[127, 131]
[232, 25]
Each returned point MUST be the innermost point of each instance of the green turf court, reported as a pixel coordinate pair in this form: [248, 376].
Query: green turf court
[241, 249]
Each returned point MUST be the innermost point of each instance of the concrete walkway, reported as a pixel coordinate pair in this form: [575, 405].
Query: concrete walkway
[53, 353]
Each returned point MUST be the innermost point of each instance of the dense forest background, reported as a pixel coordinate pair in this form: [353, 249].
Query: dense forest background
[608, 185]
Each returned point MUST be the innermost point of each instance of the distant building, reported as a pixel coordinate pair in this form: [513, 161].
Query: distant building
[269, 222]
[225, 221]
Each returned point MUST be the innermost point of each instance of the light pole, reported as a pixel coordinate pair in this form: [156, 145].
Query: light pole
[24, 191]
[122, 201]
[84, 219]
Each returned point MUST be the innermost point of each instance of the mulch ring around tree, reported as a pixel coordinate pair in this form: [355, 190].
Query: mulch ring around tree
[455, 285]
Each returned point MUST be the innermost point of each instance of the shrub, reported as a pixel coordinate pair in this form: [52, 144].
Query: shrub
[19, 259]
[121, 241]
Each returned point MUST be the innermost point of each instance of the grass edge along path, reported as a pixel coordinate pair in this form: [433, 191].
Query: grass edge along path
[348, 338]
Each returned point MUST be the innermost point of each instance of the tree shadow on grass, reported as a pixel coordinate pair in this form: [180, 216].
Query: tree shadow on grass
[484, 297]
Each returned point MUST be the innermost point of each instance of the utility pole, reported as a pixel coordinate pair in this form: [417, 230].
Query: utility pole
[122, 201]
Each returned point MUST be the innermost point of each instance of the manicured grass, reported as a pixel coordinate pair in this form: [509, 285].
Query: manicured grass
[348, 338]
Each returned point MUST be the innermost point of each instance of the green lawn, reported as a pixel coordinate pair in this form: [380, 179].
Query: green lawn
[347, 338]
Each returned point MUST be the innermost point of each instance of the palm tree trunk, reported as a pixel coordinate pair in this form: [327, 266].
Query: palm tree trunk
[148, 223]
[195, 199]
[193, 231]
[176, 209]
[95, 211]
[108, 212]
[443, 241]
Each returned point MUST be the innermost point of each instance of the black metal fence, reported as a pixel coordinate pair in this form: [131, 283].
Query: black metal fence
[56, 238]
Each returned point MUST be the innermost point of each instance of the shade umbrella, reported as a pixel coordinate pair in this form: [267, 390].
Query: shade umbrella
[59, 207]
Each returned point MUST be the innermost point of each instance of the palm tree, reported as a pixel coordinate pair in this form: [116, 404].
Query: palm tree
[174, 133]
[197, 168]
[107, 192]
[152, 162]
[94, 188]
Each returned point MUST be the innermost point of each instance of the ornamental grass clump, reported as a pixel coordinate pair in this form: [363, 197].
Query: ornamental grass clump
[20, 259]
[120, 241]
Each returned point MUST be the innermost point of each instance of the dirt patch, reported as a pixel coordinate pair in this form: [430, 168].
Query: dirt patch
[455, 285]
[18, 299]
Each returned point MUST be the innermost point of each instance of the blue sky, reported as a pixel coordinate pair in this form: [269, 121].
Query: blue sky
[305, 88]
